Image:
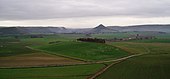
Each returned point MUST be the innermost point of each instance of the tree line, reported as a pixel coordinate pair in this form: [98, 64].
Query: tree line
[91, 40]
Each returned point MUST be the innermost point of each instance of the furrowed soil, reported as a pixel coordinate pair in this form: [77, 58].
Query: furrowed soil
[35, 59]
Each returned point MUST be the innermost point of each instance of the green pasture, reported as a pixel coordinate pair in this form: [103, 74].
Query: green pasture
[11, 46]
[134, 47]
[67, 72]
[50, 38]
[152, 41]
[84, 50]
[153, 65]
[143, 67]
[129, 34]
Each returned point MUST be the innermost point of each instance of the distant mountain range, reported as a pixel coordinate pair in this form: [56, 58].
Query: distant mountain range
[99, 29]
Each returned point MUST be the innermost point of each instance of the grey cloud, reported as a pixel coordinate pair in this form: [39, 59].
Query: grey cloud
[51, 9]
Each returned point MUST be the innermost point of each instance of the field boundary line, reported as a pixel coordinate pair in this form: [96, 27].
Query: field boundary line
[78, 75]
[52, 53]
[64, 65]
[45, 66]
[114, 62]
[56, 65]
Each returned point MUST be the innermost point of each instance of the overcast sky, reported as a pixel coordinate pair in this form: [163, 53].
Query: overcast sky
[84, 13]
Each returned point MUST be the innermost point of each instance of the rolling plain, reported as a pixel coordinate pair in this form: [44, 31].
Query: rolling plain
[61, 56]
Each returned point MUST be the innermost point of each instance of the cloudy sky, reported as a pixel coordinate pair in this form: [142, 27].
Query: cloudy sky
[83, 13]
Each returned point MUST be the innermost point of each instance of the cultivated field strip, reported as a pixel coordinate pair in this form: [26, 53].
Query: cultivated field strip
[116, 61]
[36, 60]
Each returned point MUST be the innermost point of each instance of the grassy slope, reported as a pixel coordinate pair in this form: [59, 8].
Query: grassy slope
[17, 47]
[11, 46]
[84, 50]
[49, 38]
[155, 65]
[144, 47]
[71, 72]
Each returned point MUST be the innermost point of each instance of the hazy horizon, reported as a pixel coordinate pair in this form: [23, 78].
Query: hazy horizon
[75, 27]
[84, 13]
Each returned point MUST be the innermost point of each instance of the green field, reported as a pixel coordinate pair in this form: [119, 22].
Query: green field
[143, 67]
[152, 41]
[154, 65]
[71, 72]
[84, 50]
[50, 38]
[128, 34]
[35, 55]
[134, 47]
[10, 47]
[15, 50]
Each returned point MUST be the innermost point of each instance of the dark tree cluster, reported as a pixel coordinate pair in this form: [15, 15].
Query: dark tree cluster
[36, 36]
[145, 37]
[54, 42]
[91, 40]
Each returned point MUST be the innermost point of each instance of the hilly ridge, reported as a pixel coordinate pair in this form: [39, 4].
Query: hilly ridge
[161, 28]
[98, 29]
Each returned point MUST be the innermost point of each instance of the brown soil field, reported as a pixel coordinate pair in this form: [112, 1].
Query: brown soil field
[35, 60]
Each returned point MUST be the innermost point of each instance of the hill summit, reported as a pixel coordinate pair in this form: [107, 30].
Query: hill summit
[101, 26]
[101, 29]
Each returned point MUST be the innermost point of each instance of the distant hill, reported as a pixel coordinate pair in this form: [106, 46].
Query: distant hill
[159, 28]
[43, 30]
[33, 30]
[10, 30]
[98, 29]
[102, 29]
